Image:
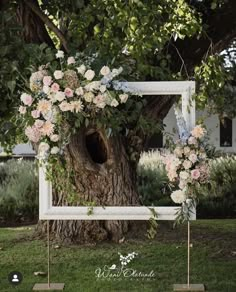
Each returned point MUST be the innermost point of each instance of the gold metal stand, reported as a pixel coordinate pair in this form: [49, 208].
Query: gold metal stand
[188, 286]
[48, 286]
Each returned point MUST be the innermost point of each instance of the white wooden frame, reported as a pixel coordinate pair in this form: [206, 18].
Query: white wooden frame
[49, 212]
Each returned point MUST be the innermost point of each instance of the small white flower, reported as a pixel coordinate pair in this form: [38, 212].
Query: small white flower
[58, 74]
[114, 103]
[46, 89]
[123, 98]
[59, 54]
[60, 96]
[89, 74]
[79, 91]
[88, 96]
[105, 71]
[54, 138]
[55, 150]
[103, 88]
[22, 110]
[81, 69]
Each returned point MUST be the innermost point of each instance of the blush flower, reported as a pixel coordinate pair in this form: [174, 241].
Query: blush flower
[22, 110]
[26, 99]
[47, 80]
[195, 174]
[55, 87]
[70, 60]
[198, 132]
[33, 134]
[68, 92]
[193, 157]
[47, 129]
[44, 106]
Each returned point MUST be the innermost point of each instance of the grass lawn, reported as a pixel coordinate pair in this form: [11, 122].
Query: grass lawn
[213, 260]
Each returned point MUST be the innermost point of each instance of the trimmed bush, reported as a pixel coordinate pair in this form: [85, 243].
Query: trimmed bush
[218, 199]
[18, 190]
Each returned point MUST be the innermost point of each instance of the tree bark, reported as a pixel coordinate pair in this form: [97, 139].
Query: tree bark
[104, 175]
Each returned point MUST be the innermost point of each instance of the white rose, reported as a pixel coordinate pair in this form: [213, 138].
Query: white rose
[46, 89]
[79, 91]
[59, 54]
[103, 88]
[101, 104]
[58, 74]
[81, 69]
[60, 96]
[55, 150]
[89, 74]
[123, 98]
[178, 196]
[105, 70]
[54, 138]
[187, 164]
[71, 60]
[114, 103]
[193, 157]
[88, 96]
[184, 175]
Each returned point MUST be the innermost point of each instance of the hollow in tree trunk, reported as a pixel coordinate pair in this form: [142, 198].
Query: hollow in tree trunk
[103, 174]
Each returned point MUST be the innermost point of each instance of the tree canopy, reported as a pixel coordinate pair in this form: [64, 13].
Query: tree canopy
[152, 40]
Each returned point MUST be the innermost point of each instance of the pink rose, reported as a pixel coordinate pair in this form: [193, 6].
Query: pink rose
[47, 80]
[55, 87]
[70, 60]
[68, 92]
[35, 114]
[195, 173]
[26, 99]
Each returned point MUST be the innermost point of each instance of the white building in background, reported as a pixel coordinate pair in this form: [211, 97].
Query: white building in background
[222, 136]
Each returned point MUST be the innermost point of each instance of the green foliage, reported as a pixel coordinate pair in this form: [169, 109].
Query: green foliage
[17, 61]
[153, 183]
[215, 86]
[18, 190]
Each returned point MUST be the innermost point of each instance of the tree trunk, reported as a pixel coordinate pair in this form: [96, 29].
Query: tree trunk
[104, 175]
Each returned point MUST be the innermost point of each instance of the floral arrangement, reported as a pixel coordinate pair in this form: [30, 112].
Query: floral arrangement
[187, 166]
[69, 92]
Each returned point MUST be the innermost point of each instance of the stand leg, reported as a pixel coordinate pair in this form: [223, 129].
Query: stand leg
[48, 285]
[48, 254]
[188, 286]
[188, 253]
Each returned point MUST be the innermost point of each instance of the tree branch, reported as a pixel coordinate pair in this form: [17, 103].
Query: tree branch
[48, 23]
